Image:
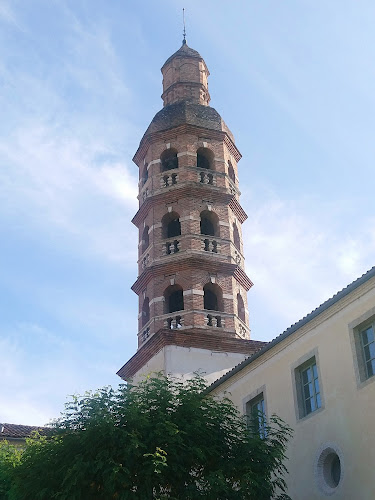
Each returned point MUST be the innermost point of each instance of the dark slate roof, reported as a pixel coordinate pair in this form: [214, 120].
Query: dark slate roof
[184, 51]
[15, 431]
[296, 326]
[181, 113]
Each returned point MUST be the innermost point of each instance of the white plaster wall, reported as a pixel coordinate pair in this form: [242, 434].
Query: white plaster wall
[184, 362]
[155, 365]
[346, 419]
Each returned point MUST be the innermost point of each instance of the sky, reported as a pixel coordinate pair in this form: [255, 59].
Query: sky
[79, 83]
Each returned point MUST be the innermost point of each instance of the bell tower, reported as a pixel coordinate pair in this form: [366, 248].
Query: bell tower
[191, 284]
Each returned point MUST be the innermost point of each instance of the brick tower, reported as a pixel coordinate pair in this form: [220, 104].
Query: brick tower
[191, 282]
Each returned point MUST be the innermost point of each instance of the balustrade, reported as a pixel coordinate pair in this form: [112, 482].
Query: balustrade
[168, 180]
[145, 261]
[209, 245]
[145, 334]
[216, 321]
[172, 247]
[206, 177]
[242, 331]
[237, 258]
[174, 322]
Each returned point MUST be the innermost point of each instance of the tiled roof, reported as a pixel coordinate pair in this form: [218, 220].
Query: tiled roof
[296, 326]
[15, 431]
[184, 51]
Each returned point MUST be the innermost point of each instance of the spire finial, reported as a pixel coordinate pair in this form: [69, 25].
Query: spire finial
[184, 32]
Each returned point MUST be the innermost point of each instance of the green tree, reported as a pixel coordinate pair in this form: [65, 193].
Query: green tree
[10, 457]
[162, 439]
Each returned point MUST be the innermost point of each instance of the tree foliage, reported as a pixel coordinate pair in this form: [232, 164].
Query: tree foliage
[10, 457]
[162, 439]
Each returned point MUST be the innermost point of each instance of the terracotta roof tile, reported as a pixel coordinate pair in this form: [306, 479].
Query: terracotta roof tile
[15, 431]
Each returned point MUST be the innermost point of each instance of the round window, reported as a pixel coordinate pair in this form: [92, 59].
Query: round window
[329, 470]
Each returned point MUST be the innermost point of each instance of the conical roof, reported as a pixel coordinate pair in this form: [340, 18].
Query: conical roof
[184, 51]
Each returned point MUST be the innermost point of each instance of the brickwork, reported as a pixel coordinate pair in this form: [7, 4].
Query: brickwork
[185, 77]
[191, 274]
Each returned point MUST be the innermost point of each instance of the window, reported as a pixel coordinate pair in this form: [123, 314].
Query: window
[174, 299]
[145, 239]
[236, 237]
[169, 160]
[368, 349]
[145, 311]
[328, 469]
[308, 388]
[213, 297]
[241, 308]
[256, 413]
[362, 337]
[209, 224]
[231, 172]
[171, 225]
[144, 175]
[205, 158]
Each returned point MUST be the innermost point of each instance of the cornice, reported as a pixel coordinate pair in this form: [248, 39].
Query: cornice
[192, 338]
[237, 209]
[176, 264]
[165, 135]
[190, 190]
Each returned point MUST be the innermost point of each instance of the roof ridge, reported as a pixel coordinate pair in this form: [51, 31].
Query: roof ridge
[298, 324]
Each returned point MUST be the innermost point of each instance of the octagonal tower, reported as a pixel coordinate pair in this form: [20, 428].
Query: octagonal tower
[192, 286]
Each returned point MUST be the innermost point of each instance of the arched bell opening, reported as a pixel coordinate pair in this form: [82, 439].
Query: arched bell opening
[231, 173]
[213, 297]
[144, 175]
[209, 224]
[241, 308]
[173, 299]
[145, 239]
[236, 237]
[171, 226]
[145, 311]
[169, 160]
[205, 159]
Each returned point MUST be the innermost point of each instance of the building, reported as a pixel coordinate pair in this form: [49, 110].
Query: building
[17, 434]
[317, 376]
[192, 285]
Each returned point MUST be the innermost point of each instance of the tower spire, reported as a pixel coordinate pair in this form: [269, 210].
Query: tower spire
[184, 32]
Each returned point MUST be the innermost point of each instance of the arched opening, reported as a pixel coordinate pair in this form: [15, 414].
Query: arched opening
[240, 308]
[145, 311]
[209, 223]
[231, 173]
[145, 239]
[174, 299]
[205, 158]
[144, 175]
[236, 237]
[213, 297]
[171, 225]
[169, 160]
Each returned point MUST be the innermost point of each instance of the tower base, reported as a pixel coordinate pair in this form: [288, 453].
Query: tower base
[183, 353]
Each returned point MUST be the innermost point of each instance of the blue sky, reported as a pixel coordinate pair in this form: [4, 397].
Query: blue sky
[79, 83]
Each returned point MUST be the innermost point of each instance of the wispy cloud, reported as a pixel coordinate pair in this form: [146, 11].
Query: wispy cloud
[7, 14]
[53, 178]
[296, 262]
